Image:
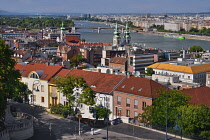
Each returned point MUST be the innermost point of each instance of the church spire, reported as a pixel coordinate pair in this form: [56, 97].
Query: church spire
[127, 37]
[116, 37]
[116, 32]
[62, 28]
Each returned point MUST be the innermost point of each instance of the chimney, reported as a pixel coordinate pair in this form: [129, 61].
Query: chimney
[128, 75]
[47, 63]
[99, 70]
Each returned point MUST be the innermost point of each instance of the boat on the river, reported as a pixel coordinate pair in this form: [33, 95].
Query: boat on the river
[174, 36]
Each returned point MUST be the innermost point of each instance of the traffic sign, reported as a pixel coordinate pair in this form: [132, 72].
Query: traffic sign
[79, 116]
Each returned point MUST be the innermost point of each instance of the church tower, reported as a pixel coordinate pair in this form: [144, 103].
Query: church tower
[62, 35]
[126, 37]
[116, 37]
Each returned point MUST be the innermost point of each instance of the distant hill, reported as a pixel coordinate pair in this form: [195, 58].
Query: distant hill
[8, 13]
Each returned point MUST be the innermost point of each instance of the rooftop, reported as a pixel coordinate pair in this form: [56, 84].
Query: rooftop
[187, 66]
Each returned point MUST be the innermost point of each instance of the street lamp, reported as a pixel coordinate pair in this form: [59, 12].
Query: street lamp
[166, 137]
[177, 127]
[37, 83]
[107, 118]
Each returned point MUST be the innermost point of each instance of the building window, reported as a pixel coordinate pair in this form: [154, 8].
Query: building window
[53, 89]
[81, 105]
[128, 101]
[42, 88]
[188, 77]
[136, 114]
[65, 103]
[127, 113]
[143, 104]
[34, 98]
[26, 83]
[118, 100]
[42, 98]
[119, 111]
[34, 75]
[135, 104]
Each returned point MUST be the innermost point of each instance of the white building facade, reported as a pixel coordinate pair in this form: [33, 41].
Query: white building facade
[38, 87]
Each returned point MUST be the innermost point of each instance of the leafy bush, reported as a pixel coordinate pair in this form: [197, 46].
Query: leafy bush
[61, 110]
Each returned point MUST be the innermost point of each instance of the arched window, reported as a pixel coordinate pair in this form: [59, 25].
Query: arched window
[34, 75]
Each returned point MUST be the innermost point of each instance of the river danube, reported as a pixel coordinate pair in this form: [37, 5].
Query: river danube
[160, 42]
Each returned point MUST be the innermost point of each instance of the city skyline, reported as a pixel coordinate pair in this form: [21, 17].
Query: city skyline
[108, 6]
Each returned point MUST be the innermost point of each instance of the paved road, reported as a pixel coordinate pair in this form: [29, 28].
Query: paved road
[64, 129]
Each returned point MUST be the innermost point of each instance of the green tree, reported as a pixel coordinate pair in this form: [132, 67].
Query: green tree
[196, 49]
[101, 112]
[76, 60]
[8, 76]
[156, 113]
[67, 84]
[22, 92]
[87, 96]
[83, 40]
[195, 120]
[149, 71]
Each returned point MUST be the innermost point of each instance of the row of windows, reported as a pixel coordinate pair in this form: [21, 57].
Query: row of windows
[182, 76]
[128, 103]
[119, 113]
[34, 99]
[35, 87]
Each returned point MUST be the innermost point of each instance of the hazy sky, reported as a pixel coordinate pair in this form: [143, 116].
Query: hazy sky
[106, 6]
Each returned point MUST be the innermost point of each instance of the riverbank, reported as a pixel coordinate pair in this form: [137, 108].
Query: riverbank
[187, 36]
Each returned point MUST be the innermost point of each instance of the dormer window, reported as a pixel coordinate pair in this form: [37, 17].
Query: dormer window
[132, 88]
[93, 86]
[34, 75]
[140, 89]
[123, 86]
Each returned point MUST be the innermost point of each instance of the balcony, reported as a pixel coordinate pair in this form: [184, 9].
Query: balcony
[53, 95]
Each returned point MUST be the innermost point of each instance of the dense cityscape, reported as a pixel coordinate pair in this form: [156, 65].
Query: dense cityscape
[104, 76]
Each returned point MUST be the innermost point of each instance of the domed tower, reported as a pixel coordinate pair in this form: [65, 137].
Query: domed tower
[126, 37]
[62, 35]
[116, 37]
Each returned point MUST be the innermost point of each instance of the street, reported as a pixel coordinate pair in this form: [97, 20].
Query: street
[52, 127]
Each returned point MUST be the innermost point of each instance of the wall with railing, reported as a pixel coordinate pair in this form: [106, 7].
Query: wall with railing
[4, 134]
[22, 127]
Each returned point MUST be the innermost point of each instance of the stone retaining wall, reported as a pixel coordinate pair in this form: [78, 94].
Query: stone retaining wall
[4, 135]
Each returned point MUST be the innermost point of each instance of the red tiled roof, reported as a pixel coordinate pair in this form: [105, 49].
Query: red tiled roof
[48, 71]
[63, 72]
[19, 67]
[140, 86]
[82, 44]
[200, 95]
[118, 60]
[101, 82]
[72, 39]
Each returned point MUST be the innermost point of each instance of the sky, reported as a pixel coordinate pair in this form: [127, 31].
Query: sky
[105, 6]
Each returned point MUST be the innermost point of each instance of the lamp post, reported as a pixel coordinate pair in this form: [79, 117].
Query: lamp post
[177, 127]
[107, 118]
[166, 137]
